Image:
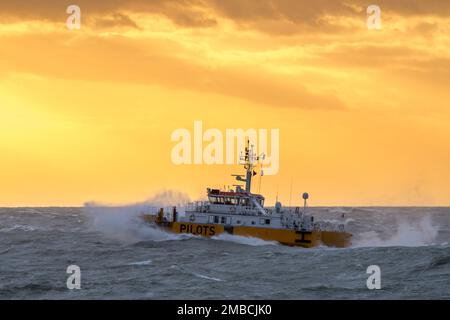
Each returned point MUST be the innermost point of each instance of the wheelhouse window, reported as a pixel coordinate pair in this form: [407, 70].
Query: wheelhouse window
[216, 200]
[244, 201]
[223, 220]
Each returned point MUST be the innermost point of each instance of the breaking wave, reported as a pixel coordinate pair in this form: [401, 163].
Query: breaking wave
[250, 241]
[125, 224]
[408, 233]
[337, 222]
[140, 263]
[202, 276]
[19, 227]
[196, 274]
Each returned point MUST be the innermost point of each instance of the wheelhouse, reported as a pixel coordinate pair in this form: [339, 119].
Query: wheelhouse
[218, 197]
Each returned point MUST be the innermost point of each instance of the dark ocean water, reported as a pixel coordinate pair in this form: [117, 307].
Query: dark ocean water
[120, 258]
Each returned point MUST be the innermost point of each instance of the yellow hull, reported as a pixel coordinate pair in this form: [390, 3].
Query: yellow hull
[284, 236]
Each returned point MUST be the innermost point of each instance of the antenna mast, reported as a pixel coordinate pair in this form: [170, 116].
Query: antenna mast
[290, 194]
[249, 159]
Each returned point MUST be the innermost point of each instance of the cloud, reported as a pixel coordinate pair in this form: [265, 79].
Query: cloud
[283, 41]
[297, 14]
[121, 60]
[116, 20]
[304, 10]
[188, 13]
[284, 17]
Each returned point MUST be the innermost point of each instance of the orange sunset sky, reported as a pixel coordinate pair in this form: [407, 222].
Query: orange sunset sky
[87, 115]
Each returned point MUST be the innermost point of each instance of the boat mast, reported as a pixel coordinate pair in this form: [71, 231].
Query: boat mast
[248, 159]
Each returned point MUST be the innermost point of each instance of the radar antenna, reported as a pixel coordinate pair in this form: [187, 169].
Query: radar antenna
[305, 197]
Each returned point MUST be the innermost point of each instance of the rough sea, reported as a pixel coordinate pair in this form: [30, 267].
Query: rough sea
[121, 258]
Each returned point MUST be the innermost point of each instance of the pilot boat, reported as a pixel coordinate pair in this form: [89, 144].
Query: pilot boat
[242, 213]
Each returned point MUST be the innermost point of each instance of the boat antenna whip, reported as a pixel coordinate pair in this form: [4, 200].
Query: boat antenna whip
[290, 194]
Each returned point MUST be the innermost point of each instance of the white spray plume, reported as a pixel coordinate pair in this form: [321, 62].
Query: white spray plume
[165, 198]
[124, 222]
[408, 234]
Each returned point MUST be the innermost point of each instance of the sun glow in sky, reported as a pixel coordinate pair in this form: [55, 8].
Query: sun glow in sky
[87, 115]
